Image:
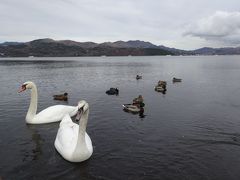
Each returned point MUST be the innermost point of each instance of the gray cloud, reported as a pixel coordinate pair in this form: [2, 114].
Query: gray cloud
[221, 26]
[158, 21]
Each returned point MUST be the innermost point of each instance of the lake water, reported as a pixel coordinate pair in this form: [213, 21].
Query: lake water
[191, 132]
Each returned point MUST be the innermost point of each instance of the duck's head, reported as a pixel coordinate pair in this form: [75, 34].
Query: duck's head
[82, 108]
[26, 85]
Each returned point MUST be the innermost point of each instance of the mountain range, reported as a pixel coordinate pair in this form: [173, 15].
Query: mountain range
[67, 48]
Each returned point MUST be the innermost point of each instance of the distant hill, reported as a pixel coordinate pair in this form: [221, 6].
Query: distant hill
[51, 48]
[10, 43]
[217, 51]
[63, 48]
[130, 44]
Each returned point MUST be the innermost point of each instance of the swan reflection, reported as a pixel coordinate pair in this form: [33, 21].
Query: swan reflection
[36, 141]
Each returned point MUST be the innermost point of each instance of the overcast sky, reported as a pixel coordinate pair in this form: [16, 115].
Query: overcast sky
[184, 24]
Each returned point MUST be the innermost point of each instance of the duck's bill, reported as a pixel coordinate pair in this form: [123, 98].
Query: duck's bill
[22, 88]
[79, 114]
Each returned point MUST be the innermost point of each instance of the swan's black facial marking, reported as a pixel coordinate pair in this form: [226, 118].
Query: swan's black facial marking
[79, 114]
[23, 88]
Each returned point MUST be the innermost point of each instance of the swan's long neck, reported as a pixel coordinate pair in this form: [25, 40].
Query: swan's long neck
[81, 143]
[32, 110]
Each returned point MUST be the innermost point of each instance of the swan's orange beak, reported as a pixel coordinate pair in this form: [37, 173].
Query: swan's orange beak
[22, 88]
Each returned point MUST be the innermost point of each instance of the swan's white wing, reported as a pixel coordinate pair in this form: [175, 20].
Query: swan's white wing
[54, 113]
[66, 138]
[88, 143]
[67, 122]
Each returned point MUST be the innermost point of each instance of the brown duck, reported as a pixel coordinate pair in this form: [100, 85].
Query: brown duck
[61, 97]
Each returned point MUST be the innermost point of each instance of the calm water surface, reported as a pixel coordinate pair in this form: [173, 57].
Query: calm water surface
[191, 132]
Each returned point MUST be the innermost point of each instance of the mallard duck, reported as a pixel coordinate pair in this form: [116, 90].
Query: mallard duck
[162, 83]
[159, 89]
[176, 80]
[61, 97]
[138, 77]
[131, 108]
[112, 91]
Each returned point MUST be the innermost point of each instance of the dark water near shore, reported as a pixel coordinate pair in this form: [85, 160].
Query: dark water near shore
[191, 132]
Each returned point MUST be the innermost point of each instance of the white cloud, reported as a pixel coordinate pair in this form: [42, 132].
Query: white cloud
[222, 26]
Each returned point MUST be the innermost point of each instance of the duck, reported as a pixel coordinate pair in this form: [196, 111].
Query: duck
[61, 97]
[131, 108]
[161, 86]
[112, 91]
[138, 77]
[49, 115]
[72, 141]
[176, 80]
[136, 106]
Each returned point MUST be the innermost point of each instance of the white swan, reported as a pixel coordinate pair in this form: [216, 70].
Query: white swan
[72, 140]
[48, 115]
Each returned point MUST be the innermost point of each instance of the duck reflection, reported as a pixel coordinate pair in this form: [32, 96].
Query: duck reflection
[141, 113]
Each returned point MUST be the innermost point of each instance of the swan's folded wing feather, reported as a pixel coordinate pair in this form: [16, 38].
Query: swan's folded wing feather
[55, 113]
[67, 137]
[67, 121]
